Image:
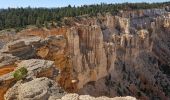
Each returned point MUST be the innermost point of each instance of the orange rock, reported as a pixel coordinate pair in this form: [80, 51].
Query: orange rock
[5, 86]
[6, 69]
[42, 32]
[43, 52]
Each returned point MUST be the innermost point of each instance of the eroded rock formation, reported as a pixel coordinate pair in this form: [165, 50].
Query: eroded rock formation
[37, 89]
[126, 54]
[46, 89]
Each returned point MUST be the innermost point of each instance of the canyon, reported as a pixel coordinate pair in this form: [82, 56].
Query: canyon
[127, 54]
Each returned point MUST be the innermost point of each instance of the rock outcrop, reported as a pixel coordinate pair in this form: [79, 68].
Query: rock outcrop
[126, 54]
[35, 67]
[46, 89]
[28, 48]
[87, 97]
[87, 54]
[37, 89]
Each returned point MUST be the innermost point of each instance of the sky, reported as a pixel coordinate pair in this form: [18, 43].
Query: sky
[61, 3]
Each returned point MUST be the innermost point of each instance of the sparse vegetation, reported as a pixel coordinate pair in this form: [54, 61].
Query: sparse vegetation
[20, 73]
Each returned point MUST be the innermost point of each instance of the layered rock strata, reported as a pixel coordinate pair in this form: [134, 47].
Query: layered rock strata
[108, 55]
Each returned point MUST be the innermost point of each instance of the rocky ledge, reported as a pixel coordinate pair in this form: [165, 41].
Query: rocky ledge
[121, 55]
[46, 89]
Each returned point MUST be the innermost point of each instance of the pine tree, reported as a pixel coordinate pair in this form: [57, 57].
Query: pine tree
[38, 23]
[21, 17]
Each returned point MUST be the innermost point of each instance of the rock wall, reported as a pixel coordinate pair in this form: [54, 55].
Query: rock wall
[107, 55]
[87, 53]
[132, 57]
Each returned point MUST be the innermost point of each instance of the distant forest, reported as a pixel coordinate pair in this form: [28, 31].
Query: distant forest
[21, 17]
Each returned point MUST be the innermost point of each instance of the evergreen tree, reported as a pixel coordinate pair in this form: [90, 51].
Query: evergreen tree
[20, 17]
[38, 22]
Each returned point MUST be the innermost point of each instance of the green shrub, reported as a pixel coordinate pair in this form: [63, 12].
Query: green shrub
[20, 73]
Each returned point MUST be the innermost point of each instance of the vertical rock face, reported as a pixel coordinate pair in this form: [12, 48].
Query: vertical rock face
[127, 54]
[122, 59]
[87, 53]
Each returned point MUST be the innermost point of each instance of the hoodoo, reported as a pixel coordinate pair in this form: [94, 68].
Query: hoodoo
[90, 58]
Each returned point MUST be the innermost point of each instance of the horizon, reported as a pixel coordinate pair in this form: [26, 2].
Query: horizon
[54, 4]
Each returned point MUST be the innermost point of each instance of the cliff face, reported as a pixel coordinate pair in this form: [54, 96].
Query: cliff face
[87, 54]
[128, 54]
[122, 56]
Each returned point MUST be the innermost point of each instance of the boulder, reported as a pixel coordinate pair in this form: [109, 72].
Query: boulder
[37, 89]
[37, 66]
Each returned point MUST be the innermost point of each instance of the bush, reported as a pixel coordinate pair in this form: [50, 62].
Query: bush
[20, 73]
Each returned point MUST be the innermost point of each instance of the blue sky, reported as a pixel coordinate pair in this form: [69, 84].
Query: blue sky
[61, 3]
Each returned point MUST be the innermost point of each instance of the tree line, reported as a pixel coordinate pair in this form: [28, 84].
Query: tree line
[21, 17]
